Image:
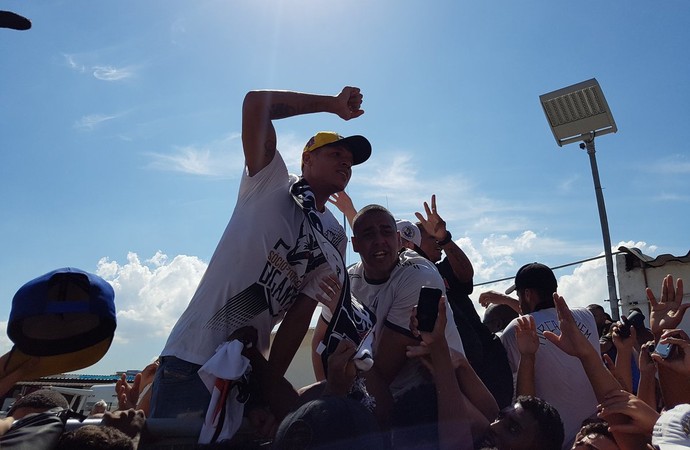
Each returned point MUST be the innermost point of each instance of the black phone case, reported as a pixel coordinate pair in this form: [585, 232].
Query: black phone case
[427, 308]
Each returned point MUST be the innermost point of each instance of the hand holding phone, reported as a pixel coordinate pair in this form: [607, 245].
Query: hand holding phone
[427, 308]
[663, 350]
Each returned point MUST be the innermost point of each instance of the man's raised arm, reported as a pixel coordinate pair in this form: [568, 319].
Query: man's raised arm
[260, 108]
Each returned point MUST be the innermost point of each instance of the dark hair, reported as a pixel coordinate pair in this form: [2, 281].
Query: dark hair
[599, 427]
[551, 432]
[41, 399]
[369, 209]
[336, 423]
[94, 437]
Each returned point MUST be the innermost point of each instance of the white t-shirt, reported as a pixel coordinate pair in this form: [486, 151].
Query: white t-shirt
[392, 302]
[266, 256]
[559, 377]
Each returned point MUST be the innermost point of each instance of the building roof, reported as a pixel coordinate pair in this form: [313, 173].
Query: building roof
[635, 258]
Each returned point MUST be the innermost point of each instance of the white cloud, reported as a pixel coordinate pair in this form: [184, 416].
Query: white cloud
[110, 73]
[73, 64]
[671, 165]
[99, 71]
[218, 158]
[92, 121]
[5, 343]
[151, 295]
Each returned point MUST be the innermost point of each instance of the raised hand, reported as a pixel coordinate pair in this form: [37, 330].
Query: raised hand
[679, 358]
[349, 103]
[129, 421]
[343, 202]
[433, 224]
[526, 335]
[641, 416]
[127, 395]
[667, 313]
[341, 368]
[571, 339]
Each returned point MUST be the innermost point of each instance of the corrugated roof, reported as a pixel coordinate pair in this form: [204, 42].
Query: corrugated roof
[635, 258]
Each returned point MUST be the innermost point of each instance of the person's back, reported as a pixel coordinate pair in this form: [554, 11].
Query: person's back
[559, 378]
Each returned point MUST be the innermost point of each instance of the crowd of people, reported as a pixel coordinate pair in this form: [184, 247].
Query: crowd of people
[532, 374]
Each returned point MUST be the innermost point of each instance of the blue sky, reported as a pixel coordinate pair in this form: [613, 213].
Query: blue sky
[121, 152]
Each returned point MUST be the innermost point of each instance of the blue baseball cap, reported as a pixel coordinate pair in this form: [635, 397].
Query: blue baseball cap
[66, 317]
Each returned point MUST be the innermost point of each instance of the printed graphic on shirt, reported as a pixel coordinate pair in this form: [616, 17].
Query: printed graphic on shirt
[554, 327]
[277, 286]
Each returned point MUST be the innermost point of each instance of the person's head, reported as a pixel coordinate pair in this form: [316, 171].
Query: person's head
[377, 241]
[327, 160]
[595, 436]
[529, 424]
[329, 422]
[430, 248]
[95, 437]
[410, 236]
[99, 407]
[601, 317]
[534, 284]
[497, 317]
[38, 401]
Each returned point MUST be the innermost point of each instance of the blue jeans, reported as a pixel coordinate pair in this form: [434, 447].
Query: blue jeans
[177, 390]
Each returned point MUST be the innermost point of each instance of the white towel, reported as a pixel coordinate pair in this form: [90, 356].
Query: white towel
[226, 365]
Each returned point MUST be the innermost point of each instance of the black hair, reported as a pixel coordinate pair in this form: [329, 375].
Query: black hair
[551, 432]
[599, 427]
[94, 437]
[41, 399]
[369, 209]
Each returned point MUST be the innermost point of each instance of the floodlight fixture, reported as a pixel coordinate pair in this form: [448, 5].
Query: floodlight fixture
[578, 112]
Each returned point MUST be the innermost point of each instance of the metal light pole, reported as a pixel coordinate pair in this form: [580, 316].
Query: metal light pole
[579, 113]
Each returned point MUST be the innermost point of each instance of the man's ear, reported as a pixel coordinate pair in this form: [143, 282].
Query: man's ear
[354, 244]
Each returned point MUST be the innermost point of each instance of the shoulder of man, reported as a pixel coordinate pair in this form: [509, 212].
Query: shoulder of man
[409, 259]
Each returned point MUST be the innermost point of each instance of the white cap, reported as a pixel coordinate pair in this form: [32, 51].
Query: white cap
[409, 232]
[672, 429]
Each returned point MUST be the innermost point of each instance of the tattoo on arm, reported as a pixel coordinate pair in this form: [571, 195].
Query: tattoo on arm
[284, 110]
[281, 111]
[270, 147]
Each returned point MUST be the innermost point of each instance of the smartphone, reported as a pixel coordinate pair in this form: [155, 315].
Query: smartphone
[663, 350]
[427, 308]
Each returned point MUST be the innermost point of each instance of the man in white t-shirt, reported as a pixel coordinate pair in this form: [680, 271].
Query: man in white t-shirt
[388, 283]
[559, 378]
[279, 244]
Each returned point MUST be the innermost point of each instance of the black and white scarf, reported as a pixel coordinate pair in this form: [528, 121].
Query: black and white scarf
[351, 319]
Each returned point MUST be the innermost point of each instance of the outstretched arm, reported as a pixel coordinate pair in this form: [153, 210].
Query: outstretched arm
[459, 421]
[674, 371]
[492, 297]
[574, 343]
[260, 108]
[435, 226]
